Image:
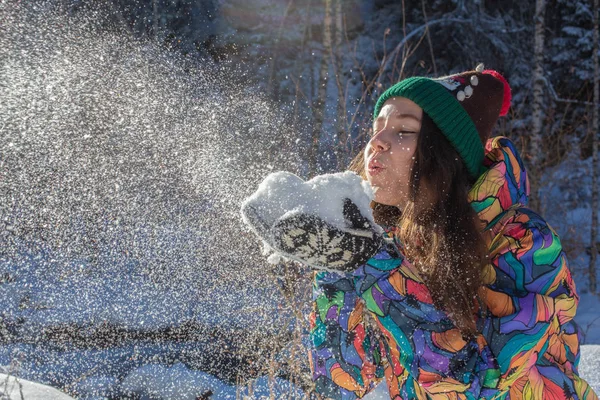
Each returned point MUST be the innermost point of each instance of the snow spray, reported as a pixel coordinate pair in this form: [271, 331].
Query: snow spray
[122, 170]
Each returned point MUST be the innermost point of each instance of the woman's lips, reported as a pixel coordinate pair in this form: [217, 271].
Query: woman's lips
[374, 167]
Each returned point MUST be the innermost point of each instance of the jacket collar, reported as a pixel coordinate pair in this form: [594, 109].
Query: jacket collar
[503, 185]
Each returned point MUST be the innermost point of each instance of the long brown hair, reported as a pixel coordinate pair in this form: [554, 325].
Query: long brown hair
[438, 227]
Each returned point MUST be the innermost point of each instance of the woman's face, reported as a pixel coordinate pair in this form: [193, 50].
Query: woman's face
[389, 153]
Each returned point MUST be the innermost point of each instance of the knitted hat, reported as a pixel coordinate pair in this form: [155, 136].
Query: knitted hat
[464, 106]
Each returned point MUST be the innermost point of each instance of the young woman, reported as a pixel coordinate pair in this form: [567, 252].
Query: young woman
[474, 299]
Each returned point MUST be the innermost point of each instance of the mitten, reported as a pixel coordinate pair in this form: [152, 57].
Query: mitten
[312, 241]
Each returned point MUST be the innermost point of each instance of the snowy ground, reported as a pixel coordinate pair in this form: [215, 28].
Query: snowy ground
[157, 370]
[12, 388]
[151, 381]
[34, 306]
[180, 383]
[589, 367]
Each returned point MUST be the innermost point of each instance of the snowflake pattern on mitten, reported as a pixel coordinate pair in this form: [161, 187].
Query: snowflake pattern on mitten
[312, 241]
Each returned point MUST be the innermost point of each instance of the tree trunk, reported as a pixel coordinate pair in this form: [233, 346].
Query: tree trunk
[342, 136]
[155, 19]
[299, 66]
[538, 85]
[273, 83]
[595, 205]
[312, 161]
[428, 34]
[320, 104]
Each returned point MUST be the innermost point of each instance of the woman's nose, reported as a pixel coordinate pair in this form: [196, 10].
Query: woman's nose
[378, 143]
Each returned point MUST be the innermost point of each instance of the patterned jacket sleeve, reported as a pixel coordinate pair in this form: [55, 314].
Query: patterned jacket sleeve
[532, 300]
[346, 354]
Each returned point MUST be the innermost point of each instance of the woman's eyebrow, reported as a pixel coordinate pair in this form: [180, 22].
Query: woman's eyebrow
[410, 116]
[399, 116]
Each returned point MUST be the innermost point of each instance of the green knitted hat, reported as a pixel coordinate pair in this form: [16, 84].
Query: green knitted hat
[465, 107]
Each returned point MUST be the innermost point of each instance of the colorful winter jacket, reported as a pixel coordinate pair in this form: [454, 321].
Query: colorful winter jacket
[379, 321]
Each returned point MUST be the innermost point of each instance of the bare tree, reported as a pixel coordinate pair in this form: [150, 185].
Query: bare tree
[594, 230]
[273, 85]
[155, 18]
[429, 37]
[336, 59]
[298, 94]
[320, 104]
[538, 84]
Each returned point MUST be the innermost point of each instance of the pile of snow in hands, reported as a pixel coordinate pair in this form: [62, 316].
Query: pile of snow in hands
[282, 194]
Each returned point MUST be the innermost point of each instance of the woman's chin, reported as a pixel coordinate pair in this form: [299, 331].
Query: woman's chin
[386, 200]
[383, 194]
[384, 197]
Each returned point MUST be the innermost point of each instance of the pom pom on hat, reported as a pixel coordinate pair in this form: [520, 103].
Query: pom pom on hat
[507, 95]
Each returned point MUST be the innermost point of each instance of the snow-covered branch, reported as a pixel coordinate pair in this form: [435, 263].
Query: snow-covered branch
[560, 99]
